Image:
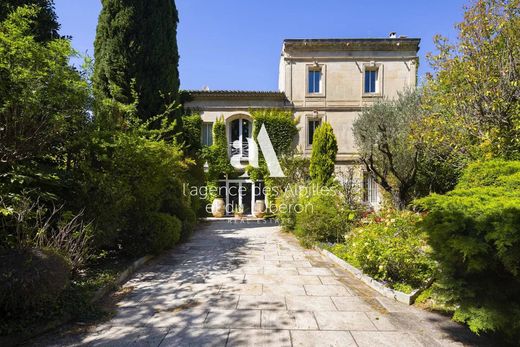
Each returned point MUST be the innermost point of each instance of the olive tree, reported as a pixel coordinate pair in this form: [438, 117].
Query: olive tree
[387, 149]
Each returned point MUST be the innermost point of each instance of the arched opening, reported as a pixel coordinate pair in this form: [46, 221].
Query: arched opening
[240, 129]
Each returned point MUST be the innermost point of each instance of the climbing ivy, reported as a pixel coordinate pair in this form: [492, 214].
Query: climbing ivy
[217, 154]
[280, 125]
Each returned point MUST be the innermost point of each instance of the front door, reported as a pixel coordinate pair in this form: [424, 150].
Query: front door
[240, 193]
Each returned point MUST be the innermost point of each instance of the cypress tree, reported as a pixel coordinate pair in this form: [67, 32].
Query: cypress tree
[323, 157]
[46, 24]
[136, 54]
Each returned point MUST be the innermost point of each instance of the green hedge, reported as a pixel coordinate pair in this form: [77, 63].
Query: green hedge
[475, 233]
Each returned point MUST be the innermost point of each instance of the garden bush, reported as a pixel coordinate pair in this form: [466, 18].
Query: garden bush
[323, 216]
[285, 208]
[130, 178]
[30, 280]
[391, 248]
[323, 157]
[162, 231]
[474, 231]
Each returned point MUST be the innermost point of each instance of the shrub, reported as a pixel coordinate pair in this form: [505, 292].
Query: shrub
[163, 232]
[324, 216]
[323, 157]
[475, 234]
[285, 208]
[390, 248]
[131, 178]
[31, 279]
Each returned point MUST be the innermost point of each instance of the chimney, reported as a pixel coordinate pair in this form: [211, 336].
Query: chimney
[393, 35]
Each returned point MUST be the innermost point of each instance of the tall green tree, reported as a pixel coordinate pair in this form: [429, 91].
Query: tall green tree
[323, 157]
[45, 26]
[136, 55]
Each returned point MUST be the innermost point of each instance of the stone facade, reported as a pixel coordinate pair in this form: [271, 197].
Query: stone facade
[325, 80]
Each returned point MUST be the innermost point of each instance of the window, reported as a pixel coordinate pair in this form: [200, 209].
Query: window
[370, 190]
[207, 134]
[370, 81]
[313, 124]
[314, 81]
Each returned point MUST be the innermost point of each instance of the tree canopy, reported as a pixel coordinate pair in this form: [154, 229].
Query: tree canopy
[45, 25]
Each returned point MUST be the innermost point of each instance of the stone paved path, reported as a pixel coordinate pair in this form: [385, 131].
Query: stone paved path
[248, 284]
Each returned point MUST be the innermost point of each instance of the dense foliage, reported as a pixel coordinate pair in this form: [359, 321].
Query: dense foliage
[475, 234]
[45, 27]
[280, 125]
[217, 154]
[323, 157]
[81, 190]
[474, 95]
[136, 56]
[389, 247]
[322, 217]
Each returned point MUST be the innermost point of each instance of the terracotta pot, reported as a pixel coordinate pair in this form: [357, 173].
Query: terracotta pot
[259, 210]
[218, 208]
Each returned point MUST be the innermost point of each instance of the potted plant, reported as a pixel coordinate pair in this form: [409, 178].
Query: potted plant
[238, 210]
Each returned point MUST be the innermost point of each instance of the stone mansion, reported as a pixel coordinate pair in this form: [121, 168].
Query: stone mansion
[319, 80]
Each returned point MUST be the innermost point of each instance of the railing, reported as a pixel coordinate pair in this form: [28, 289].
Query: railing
[243, 150]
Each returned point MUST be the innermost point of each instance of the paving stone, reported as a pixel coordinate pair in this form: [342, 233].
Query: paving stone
[274, 302]
[354, 304]
[233, 319]
[182, 316]
[315, 338]
[196, 337]
[314, 271]
[242, 289]
[276, 279]
[381, 321]
[272, 319]
[309, 303]
[281, 271]
[326, 290]
[332, 280]
[257, 337]
[390, 339]
[283, 289]
[343, 321]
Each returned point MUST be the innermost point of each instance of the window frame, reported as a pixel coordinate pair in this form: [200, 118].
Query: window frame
[308, 119]
[323, 78]
[378, 68]
[202, 134]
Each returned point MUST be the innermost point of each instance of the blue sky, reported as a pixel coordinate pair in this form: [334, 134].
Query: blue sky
[236, 44]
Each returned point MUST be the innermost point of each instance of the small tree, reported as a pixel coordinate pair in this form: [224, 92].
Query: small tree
[323, 157]
[388, 151]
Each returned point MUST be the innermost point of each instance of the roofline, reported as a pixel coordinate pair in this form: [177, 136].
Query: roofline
[402, 43]
[253, 94]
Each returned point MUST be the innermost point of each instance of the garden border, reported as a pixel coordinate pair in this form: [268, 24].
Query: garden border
[100, 293]
[379, 287]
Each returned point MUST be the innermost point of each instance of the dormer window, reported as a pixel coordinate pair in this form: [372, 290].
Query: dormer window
[314, 81]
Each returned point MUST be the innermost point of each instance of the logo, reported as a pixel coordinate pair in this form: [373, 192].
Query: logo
[266, 146]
